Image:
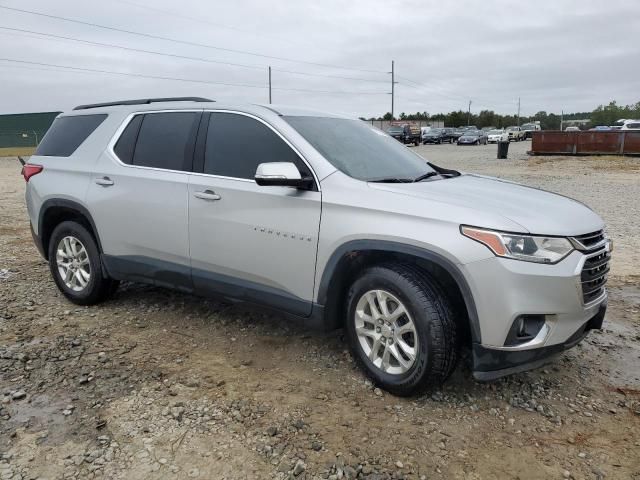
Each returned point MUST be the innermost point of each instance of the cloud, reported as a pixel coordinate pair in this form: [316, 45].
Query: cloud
[570, 55]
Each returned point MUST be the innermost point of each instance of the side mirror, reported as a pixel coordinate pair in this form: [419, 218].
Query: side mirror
[281, 174]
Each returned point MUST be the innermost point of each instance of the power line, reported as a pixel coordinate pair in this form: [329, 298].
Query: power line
[185, 57]
[179, 79]
[185, 42]
[202, 20]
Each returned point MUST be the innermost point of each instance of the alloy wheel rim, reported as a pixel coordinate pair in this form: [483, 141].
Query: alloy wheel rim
[73, 263]
[386, 332]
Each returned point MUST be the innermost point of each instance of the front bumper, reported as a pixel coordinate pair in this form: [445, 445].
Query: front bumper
[490, 364]
[506, 290]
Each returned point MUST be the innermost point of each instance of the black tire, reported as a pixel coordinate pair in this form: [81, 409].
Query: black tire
[99, 286]
[434, 321]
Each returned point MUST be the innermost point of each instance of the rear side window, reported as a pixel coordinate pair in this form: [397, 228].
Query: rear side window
[127, 142]
[165, 140]
[67, 134]
[237, 144]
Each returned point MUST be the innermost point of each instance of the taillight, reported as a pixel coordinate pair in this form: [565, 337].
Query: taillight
[29, 170]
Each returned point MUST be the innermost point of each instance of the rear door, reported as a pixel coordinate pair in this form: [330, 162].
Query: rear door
[251, 242]
[139, 198]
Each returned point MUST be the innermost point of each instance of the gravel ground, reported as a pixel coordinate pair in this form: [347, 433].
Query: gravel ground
[157, 384]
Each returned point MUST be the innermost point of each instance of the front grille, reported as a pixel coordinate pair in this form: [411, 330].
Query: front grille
[590, 241]
[594, 275]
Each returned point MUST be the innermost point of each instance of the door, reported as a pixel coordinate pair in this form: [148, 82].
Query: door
[139, 199]
[249, 242]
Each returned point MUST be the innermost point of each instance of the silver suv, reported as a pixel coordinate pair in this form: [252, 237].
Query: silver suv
[324, 218]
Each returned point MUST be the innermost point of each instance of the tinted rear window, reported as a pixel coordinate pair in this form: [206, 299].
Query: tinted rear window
[67, 134]
[166, 140]
[127, 141]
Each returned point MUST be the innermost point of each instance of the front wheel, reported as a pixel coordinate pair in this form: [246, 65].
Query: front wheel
[401, 328]
[74, 261]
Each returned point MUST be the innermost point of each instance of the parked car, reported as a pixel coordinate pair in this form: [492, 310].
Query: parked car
[405, 133]
[172, 194]
[457, 133]
[472, 137]
[495, 136]
[515, 134]
[631, 125]
[601, 128]
[572, 129]
[529, 128]
[437, 135]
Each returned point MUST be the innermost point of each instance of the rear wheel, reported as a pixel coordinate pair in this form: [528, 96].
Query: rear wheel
[74, 261]
[401, 328]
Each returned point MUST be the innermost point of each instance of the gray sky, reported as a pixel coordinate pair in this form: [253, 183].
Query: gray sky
[554, 54]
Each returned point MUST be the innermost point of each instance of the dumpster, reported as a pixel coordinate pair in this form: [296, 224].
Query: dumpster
[503, 149]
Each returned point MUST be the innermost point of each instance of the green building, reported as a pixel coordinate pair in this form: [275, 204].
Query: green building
[24, 129]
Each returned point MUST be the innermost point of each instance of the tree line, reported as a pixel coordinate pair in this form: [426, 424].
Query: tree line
[603, 115]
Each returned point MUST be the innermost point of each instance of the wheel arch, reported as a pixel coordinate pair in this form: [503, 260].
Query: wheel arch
[57, 210]
[352, 257]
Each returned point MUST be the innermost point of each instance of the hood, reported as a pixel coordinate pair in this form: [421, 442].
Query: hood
[536, 211]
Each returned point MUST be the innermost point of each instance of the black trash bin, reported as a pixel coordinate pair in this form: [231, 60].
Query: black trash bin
[503, 149]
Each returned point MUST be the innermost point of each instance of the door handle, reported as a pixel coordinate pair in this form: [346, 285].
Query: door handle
[207, 195]
[104, 181]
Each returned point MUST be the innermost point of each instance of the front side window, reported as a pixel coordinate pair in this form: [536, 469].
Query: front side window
[165, 140]
[67, 134]
[359, 150]
[237, 144]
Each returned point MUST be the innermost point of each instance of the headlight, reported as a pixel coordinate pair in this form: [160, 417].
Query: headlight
[529, 248]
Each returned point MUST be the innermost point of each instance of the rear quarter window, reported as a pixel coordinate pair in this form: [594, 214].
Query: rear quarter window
[67, 134]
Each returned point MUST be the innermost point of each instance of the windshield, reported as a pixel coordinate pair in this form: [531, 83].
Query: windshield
[434, 130]
[359, 150]
[495, 132]
[395, 130]
[472, 133]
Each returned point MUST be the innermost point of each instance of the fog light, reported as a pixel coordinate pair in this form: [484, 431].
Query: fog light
[524, 329]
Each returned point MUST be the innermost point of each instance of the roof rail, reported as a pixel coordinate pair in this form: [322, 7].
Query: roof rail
[143, 101]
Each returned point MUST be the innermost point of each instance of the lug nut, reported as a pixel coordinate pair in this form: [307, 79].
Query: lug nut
[378, 329]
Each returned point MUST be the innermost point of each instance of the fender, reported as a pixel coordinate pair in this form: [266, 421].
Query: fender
[71, 205]
[395, 247]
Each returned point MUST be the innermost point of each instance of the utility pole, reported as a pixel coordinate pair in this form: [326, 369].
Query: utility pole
[518, 111]
[269, 84]
[393, 84]
[469, 114]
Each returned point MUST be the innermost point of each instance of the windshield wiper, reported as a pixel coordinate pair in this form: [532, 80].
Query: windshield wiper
[444, 171]
[391, 180]
[425, 176]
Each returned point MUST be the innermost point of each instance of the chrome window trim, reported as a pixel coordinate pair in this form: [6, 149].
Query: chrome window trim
[129, 117]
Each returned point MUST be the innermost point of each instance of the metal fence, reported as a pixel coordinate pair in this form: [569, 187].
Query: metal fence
[586, 143]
